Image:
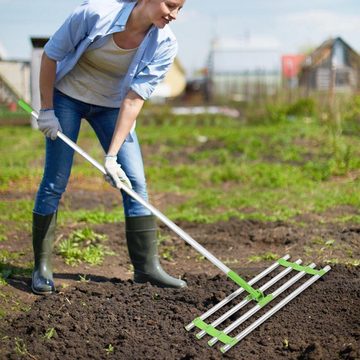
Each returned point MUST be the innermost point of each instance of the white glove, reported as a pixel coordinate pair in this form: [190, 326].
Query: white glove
[115, 175]
[49, 123]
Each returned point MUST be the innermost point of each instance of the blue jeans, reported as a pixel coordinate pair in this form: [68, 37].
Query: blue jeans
[59, 156]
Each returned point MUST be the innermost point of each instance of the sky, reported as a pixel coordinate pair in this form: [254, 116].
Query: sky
[291, 25]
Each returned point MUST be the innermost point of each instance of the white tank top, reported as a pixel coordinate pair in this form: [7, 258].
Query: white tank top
[97, 76]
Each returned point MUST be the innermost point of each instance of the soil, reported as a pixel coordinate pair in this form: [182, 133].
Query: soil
[106, 316]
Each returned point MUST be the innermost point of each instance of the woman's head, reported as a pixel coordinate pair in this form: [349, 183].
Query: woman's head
[162, 12]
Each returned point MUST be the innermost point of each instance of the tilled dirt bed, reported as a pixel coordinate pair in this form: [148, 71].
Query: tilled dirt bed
[145, 322]
[107, 316]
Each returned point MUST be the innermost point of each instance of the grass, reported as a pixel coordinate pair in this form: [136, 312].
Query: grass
[221, 167]
[92, 216]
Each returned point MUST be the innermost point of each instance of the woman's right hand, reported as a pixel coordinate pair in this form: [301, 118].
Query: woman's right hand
[115, 175]
[48, 123]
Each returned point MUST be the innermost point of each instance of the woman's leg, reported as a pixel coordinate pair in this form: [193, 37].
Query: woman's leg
[103, 122]
[141, 231]
[59, 156]
[57, 169]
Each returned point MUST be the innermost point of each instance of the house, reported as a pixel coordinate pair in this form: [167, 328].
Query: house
[334, 65]
[14, 79]
[173, 84]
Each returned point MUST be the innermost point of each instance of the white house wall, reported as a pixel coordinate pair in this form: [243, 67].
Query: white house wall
[17, 75]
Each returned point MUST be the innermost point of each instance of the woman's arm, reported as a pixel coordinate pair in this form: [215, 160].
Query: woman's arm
[130, 109]
[47, 121]
[47, 81]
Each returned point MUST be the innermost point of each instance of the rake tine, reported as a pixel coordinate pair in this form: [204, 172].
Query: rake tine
[247, 300]
[272, 311]
[256, 308]
[237, 292]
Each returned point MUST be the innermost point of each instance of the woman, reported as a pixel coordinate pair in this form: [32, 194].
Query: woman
[101, 65]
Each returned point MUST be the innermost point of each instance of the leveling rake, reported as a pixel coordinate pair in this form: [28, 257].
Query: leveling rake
[256, 295]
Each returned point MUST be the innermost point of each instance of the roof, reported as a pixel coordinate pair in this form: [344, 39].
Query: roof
[39, 42]
[324, 51]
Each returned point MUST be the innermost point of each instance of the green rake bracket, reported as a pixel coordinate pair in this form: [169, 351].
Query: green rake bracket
[223, 335]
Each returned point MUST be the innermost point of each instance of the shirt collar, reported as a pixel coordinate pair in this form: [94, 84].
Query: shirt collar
[125, 13]
[124, 16]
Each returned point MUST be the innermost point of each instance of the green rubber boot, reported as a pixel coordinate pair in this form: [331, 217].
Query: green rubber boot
[43, 238]
[143, 250]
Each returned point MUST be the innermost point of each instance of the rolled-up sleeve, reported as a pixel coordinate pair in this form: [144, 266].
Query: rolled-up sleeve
[145, 82]
[70, 33]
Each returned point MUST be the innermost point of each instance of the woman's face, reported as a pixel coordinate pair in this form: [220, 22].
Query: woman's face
[163, 12]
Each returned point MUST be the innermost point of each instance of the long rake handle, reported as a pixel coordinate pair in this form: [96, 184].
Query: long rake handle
[147, 205]
[135, 196]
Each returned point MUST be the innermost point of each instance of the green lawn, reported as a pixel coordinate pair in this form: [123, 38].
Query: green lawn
[221, 167]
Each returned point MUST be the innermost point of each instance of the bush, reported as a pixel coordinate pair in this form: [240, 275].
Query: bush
[351, 117]
[302, 107]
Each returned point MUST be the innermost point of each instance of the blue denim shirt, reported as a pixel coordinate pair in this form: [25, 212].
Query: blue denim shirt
[87, 28]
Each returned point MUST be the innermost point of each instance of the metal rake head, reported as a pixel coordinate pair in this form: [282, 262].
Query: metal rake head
[223, 336]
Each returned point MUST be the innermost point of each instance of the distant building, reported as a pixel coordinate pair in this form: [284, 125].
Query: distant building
[14, 81]
[290, 69]
[173, 84]
[334, 64]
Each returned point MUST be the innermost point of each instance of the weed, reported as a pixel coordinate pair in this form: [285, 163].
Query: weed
[162, 238]
[109, 349]
[3, 236]
[20, 346]
[84, 246]
[330, 243]
[25, 308]
[347, 262]
[349, 218]
[49, 334]
[322, 242]
[230, 261]
[167, 253]
[199, 257]
[83, 278]
[6, 256]
[264, 257]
